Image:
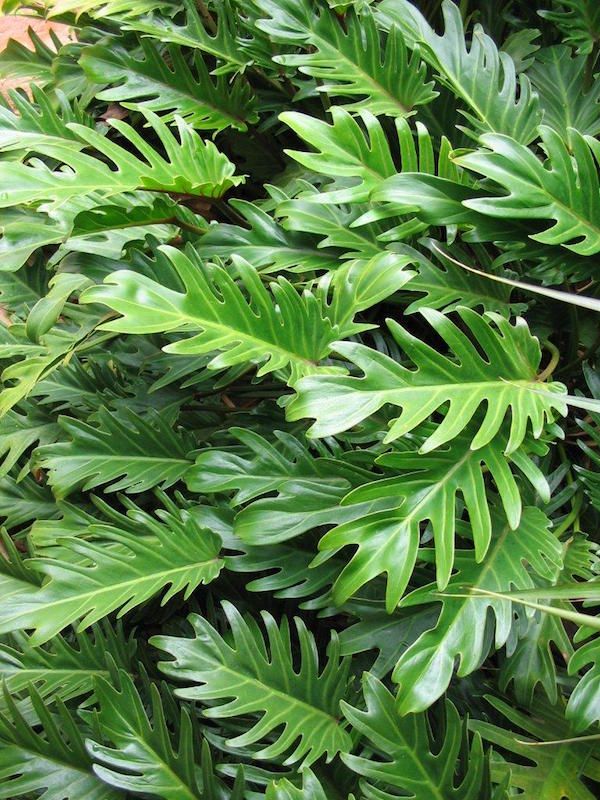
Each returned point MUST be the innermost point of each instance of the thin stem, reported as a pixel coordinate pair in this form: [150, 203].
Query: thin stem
[206, 16]
[187, 226]
[555, 355]
[571, 517]
[231, 214]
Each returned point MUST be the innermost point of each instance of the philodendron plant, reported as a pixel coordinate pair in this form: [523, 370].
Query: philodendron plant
[300, 413]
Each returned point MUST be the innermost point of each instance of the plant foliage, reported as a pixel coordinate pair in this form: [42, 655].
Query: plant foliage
[300, 401]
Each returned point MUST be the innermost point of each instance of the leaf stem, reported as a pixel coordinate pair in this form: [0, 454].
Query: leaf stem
[206, 16]
[551, 366]
[571, 517]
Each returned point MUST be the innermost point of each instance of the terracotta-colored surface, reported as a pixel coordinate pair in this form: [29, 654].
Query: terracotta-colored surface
[16, 27]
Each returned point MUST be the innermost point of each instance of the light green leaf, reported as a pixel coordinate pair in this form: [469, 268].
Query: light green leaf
[503, 380]
[477, 73]
[361, 284]
[122, 568]
[349, 59]
[424, 671]
[409, 757]
[564, 189]
[284, 790]
[128, 453]
[274, 329]
[361, 152]
[151, 83]
[387, 541]
[191, 166]
[224, 44]
[259, 677]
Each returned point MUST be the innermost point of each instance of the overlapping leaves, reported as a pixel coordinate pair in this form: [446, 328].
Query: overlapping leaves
[259, 677]
[221, 220]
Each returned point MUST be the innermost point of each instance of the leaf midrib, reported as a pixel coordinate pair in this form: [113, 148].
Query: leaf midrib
[417, 759]
[462, 386]
[266, 689]
[325, 43]
[113, 588]
[151, 81]
[184, 318]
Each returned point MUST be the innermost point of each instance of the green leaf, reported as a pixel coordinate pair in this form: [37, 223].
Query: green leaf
[267, 245]
[308, 488]
[409, 757]
[191, 166]
[361, 284]
[20, 378]
[20, 290]
[445, 286]
[583, 708]
[19, 431]
[104, 8]
[25, 231]
[265, 471]
[153, 83]
[343, 150]
[123, 567]
[260, 677]
[299, 506]
[578, 21]
[49, 758]
[350, 59]
[145, 757]
[17, 61]
[503, 380]
[275, 329]
[363, 153]
[46, 312]
[532, 661]
[30, 122]
[333, 222]
[590, 475]
[554, 770]
[389, 634]
[285, 572]
[224, 44]
[63, 669]
[15, 570]
[284, 790]
[564, 189]
[128, 453]
[559, 78]
[24, 502]
[387, 541]
[426, 668]
[478, 74]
